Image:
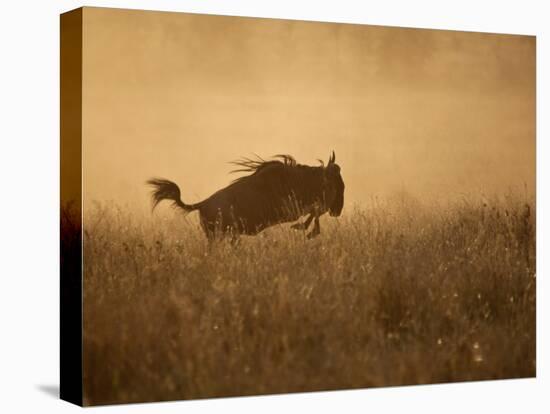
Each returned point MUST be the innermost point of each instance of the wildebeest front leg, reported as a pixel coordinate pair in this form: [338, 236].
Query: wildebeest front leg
[316, 229]
[305, 224]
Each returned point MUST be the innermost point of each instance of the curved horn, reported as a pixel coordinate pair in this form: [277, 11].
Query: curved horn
[332, 158]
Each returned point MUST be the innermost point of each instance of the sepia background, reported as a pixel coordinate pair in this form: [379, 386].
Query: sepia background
[428, 276]
[438, 114]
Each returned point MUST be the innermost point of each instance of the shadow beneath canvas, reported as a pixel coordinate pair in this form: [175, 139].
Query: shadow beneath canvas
[49, 389]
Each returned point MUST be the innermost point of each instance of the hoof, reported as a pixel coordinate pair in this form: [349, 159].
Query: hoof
[312, 235]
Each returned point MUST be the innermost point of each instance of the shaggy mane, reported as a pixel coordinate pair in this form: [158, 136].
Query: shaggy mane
[253, 166]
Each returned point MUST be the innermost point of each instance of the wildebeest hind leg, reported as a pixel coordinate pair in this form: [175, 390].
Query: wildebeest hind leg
[316, 229]
[234, 239]
[304, 225]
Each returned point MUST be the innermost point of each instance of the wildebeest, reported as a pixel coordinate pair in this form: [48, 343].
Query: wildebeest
[276, 191]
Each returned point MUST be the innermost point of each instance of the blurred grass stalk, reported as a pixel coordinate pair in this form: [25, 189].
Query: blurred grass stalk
[392, 293]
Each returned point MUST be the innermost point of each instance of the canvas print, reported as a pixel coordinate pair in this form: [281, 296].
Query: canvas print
[257, 206]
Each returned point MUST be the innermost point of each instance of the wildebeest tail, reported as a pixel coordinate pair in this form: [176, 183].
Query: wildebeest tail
[168, 190]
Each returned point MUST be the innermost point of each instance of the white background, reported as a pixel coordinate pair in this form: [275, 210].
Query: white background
[29, 194]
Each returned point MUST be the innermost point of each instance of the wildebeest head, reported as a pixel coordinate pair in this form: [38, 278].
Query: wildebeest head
[334, 187]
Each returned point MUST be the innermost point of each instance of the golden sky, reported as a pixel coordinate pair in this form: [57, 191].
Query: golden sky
[435, 113]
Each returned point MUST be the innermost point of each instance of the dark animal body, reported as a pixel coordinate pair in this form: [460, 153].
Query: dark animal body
[276, 191]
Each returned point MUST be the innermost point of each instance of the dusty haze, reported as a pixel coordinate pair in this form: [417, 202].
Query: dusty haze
[435, 113]
[391, 293]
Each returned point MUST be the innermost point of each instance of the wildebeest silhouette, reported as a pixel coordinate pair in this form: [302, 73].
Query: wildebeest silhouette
[276, 191]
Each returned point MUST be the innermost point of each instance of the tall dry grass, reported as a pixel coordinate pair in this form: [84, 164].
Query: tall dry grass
[395, 293]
